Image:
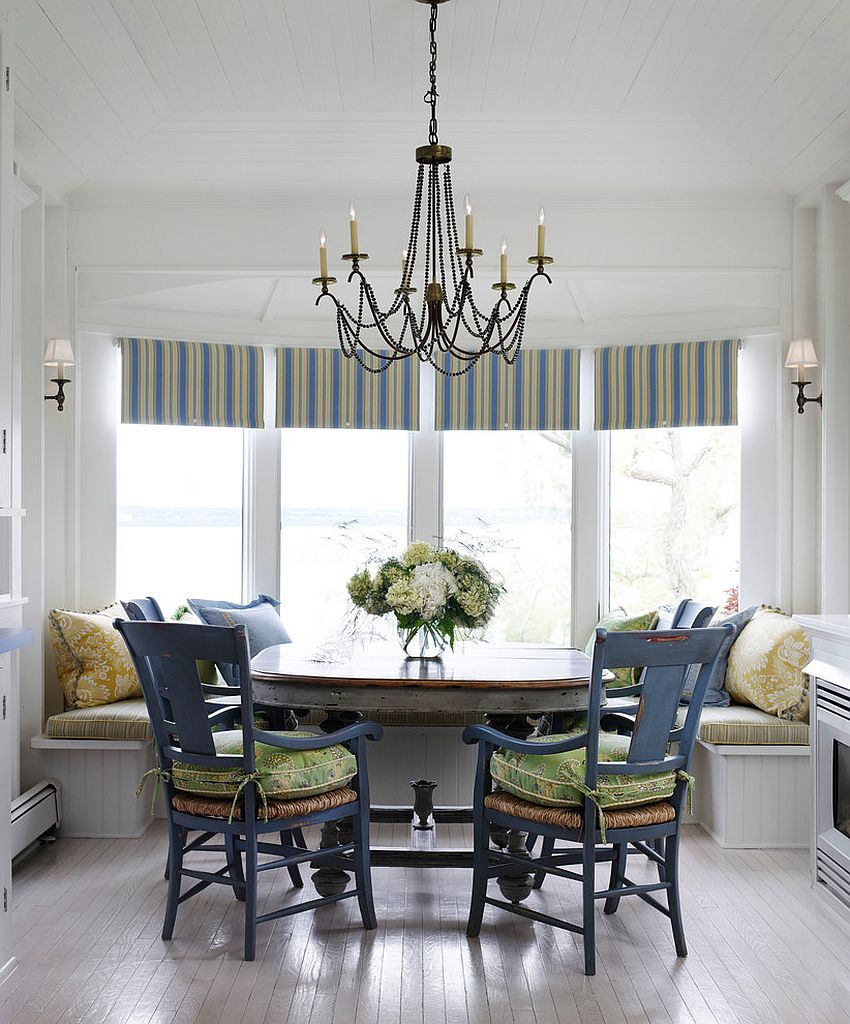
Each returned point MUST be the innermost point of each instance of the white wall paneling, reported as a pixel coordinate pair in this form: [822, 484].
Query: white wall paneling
[805, 480]
[834, 242]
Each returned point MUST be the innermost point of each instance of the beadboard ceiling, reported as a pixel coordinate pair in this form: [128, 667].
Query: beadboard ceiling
[728, 98]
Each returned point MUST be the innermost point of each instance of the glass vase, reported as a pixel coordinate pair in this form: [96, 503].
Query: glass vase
[426, 642]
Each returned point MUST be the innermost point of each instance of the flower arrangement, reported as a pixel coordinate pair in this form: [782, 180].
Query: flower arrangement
[433, 592]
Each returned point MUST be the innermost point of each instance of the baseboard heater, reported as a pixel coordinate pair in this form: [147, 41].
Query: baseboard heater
[34, 813]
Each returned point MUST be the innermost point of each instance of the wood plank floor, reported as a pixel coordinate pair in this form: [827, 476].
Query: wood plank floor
[88, 916]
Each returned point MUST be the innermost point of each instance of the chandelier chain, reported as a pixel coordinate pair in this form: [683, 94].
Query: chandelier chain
[431, 95]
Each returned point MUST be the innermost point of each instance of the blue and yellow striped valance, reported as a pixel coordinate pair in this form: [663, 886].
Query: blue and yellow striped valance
[682, 384]
[320, 387]
[540, 391]
[186, 383]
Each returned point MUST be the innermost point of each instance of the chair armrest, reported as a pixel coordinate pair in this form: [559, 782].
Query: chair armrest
[369, 730]
[486, 734]
[666, 764]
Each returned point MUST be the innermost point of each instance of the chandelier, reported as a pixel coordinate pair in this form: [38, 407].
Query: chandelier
[448, 320]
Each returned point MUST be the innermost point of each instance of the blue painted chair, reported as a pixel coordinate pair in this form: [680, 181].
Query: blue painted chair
[604, 832]
[165, 656]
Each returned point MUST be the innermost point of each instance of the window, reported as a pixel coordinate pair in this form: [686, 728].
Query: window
[508, 498]
[674, 517]
[344, 502]
[179, 531]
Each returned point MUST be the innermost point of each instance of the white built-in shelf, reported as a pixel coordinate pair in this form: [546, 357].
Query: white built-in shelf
[13, 602]
[13, 513]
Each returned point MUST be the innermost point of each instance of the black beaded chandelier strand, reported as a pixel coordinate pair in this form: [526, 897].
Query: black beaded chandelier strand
[456, 326]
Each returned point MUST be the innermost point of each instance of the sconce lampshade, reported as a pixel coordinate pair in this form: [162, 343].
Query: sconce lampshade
[58, 352]
[801, 353]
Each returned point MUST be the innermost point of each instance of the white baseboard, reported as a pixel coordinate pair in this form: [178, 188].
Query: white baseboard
[7, 969]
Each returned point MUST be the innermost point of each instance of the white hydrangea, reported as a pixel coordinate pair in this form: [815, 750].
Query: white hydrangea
[433, 585]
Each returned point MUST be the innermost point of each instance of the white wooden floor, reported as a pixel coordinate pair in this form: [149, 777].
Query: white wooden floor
[88, 916]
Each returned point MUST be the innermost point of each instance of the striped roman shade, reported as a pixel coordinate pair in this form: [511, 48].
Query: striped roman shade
[186, 383]
[683, 384]
[320, 387]
[538, 392]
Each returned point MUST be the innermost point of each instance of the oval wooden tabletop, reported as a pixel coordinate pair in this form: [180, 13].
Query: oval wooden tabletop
[483, 666]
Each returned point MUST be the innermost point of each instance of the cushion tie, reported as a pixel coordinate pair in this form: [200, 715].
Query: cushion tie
[257, 779]
[690, 782]
[159, 775]
[594, 796]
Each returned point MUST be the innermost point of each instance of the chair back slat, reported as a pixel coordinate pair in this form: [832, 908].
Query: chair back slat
[165, 655]
[656, 714]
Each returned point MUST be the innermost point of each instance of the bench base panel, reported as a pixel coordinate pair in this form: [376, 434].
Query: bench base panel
[753, 797]
[98, 781]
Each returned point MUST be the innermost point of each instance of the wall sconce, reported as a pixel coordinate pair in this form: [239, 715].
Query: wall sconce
[801, 354]
[60, 354]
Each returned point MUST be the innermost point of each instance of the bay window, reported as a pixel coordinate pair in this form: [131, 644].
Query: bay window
[489, 471]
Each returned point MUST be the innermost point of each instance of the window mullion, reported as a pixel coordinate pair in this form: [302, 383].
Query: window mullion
[425, 515]
[590, 491]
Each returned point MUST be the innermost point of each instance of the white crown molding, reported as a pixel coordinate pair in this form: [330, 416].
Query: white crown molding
[844, 192]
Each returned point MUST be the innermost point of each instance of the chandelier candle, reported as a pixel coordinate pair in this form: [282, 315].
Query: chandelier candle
[323, 256]
[448, 329]
[352, 228]
[541, 233]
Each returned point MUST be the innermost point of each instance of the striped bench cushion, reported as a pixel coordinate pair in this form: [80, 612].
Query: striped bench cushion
[123, 720]
[745, 725]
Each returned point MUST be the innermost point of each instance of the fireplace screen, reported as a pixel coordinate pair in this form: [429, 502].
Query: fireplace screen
[841, 787]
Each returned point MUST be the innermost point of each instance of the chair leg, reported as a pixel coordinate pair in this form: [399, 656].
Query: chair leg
[250, 894]
[363, 869]
[588, 885]
[618, 870]
[671, 872]
[175, 863]
[288, 839]
[480, 861]
[234, 860]
[546, 850]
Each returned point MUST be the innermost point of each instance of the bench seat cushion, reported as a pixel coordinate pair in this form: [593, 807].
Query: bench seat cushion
[123, 720]
[750, 726]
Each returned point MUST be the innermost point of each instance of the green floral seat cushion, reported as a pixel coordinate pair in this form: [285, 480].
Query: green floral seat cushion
[557, 780]
[282, 774]
[618, 624]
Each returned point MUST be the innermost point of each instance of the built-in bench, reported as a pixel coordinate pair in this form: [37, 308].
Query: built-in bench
[98, 756]
[753, 775]
[752, 769]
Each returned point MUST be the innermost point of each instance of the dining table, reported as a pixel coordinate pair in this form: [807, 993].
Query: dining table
[512, 686]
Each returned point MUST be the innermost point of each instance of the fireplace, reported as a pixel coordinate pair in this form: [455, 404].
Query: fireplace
[832, 788]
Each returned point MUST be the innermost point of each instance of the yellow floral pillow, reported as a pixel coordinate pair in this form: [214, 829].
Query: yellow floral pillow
[766, 666]
[92, 662]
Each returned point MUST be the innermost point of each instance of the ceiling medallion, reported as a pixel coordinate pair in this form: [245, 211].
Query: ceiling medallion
[448, 319]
